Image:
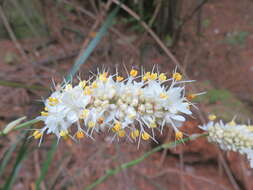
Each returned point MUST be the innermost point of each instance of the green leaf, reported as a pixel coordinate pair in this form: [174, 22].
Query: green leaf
[103, 30]
[236, 38]
[22, 154]
[46, 164]
[6, 158]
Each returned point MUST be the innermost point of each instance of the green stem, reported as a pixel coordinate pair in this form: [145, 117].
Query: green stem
[140, 159]
[21, 85]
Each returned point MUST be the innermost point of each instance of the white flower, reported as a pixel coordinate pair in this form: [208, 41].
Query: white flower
[231, 136]
[133, 107]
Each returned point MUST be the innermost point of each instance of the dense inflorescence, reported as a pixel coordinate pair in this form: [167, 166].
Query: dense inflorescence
[232, 137]
[133, 107]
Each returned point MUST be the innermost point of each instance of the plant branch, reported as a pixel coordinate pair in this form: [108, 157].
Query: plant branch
[126, 165]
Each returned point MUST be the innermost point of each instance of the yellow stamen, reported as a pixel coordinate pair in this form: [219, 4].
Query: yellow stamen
[179, 135]
[153, 76]
[121, 133]
[212, 117]
[191, 96]
[84, 114]
[119, 78]
[37, 134]
[250, 127]
[146, 76]
[43, 113]
[103, 77]
[162, 77]
[134, 134]
[145, 136]
[133, 73]
[53, 101]
[80, 135]
[91, 124]
[116, 127]
[87, 90]
[131, 116]
[46, 108]
[64, 133]
[232, 123]
[94, 84]
[100, 120]
[68, 87]
[153, 124]
[177, 76]
[163, 95]
[82, 84]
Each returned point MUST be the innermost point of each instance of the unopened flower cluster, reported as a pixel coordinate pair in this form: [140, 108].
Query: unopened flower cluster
[231, 136]
[132, 108]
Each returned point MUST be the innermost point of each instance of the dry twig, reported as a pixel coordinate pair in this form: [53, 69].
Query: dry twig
[11, 33]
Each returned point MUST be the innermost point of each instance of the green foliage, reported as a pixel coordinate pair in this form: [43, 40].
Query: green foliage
[218, 95]
[236, 38]
[22, 154]
[206, 23]
[86, 53]
[25, 19]
[46, 164]
[132, 163]
[168, 40]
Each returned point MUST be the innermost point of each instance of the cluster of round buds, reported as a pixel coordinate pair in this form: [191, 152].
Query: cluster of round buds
[131, 107]
[231, 136]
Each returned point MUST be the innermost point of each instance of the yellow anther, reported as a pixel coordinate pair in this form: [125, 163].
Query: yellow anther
[153, 124]
[116, 127]
[46, 108]
[121, 133]
[82, 84]
[100, 120]
[179, 135]
[250, 127]
[146, 76]
[162, 77]
[80, 135]
[91, 124]
[94, 84]
[119, 78]
[134, 134]
[37, 134]
[177, 76]
[153, 76]
[191, 96]
[163, 95]
[145, 136]
[212, 117]
[133, 73]
[53, 101]
[43, 113]
[68, 87]
[132, 116]
[84, 114]
[64, 133]
[232, 123]
[103, 77]
[87, 90]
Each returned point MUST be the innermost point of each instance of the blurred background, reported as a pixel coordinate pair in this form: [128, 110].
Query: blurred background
[209, 41]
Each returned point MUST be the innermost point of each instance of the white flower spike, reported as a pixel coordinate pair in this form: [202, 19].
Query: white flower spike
[232, 137]
[133, 107]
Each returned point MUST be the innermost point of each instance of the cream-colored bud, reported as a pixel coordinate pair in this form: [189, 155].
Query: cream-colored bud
[141, 108]
[148, 106]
